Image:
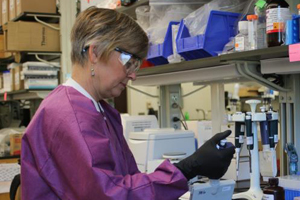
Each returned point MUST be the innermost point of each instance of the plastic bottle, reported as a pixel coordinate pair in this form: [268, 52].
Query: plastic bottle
[261, 27]
[298, 7]
[241, 39]
[277, 13]
[252, 31]
[273, 191]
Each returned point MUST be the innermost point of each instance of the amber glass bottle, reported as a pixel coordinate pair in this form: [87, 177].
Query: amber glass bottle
[277, 13]
[273, 191]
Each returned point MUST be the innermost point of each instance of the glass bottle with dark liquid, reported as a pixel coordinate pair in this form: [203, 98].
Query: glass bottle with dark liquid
[273, 191]
[277, 13]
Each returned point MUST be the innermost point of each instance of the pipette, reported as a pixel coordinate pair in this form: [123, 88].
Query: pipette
[248, 123]
[239, 141]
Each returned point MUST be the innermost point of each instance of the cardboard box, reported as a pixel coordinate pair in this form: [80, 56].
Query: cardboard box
[1, 43]
[15, 144]
[5, 11]
[36, 6]
[19, 83]
[31, 36]
[3, 54]
[12, 9]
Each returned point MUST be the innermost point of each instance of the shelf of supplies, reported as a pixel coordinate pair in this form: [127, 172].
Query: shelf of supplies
[255, 55]
[207, 69]
[130, 10]
[25, 95]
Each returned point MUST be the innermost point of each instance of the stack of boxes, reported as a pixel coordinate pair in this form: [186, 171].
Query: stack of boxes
[27, 36]
[37, 75]
[30, 75]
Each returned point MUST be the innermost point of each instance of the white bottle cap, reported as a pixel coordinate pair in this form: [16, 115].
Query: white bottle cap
[243, 25]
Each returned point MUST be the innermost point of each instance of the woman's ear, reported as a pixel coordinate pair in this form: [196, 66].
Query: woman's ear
[92, 54]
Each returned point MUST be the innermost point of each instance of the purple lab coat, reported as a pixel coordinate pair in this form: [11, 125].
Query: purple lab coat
[70, 152]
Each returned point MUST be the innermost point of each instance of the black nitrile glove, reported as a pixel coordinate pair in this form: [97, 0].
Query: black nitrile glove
[208, 160]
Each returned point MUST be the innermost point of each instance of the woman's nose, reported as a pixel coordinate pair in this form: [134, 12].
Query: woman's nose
[132, 76]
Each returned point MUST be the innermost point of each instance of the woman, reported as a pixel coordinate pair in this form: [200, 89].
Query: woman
[74, 147]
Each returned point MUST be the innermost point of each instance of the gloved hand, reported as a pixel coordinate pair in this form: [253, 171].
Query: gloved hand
[208, 160]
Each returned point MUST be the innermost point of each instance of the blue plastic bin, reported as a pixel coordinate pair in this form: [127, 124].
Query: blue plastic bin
[292, 30]
[220, 27]
[158, 54]
[290, 194]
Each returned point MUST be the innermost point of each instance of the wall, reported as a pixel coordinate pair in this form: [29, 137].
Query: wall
[137, 102]
[199, 100]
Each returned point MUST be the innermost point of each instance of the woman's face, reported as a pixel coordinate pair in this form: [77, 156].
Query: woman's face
[111, 77]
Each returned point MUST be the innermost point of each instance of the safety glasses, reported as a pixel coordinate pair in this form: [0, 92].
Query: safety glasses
[131, 62]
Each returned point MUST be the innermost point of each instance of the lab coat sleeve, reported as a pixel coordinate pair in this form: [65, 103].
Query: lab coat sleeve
[72, 173]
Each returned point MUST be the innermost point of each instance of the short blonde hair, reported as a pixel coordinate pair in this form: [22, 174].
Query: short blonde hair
[106, 29]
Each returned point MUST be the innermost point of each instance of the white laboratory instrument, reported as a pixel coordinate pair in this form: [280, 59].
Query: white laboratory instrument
[212, 190]
[152, 146]
[254, 192]
[137, 123]
[202, 130]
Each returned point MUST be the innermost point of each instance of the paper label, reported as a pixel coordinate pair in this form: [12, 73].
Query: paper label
[276, 138]
[276, 19]
[242, 128]
[240, 44]
[241, 139]
[249, 140]
[226, 188]
[268, 197]
[4, 7]
[294, 52]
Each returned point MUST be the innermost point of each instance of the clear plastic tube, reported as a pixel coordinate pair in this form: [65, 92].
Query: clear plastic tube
[252, 31]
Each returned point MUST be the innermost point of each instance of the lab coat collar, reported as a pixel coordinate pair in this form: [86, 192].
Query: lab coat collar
[72, 83]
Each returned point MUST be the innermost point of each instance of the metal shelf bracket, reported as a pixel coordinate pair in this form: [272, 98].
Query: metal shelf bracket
[248, 69]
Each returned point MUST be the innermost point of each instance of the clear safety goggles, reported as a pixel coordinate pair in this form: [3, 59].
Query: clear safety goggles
[131, 62]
